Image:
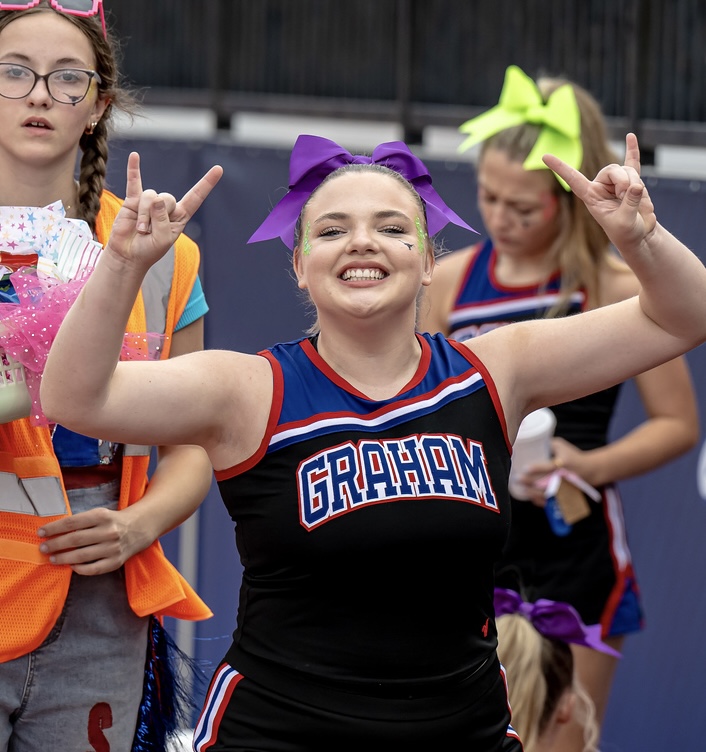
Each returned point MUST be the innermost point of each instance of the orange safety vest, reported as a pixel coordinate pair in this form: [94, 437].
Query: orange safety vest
[33, 591]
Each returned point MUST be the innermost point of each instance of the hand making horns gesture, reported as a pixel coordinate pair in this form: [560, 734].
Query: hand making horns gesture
[148, 222]
[616, 198]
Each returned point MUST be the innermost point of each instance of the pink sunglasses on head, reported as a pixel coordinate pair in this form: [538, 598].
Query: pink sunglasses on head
[84, 8]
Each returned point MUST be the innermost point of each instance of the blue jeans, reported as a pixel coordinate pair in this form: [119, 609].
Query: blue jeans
[81, 689]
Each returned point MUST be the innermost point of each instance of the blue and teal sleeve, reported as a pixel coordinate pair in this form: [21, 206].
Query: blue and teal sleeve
[196, 306]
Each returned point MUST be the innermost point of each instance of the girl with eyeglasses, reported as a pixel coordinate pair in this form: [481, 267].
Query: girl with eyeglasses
[546, 257]
[366, 465]
[83, 580]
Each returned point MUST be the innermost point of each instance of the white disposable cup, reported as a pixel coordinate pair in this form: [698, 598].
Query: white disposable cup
[533, 444]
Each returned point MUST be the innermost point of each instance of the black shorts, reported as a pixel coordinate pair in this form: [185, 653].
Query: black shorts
[241, 715]
[590, 568]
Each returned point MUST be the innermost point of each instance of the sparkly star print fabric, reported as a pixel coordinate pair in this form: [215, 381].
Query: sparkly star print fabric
[45, 259]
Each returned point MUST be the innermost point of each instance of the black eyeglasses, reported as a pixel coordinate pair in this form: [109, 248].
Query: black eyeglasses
[66, 85]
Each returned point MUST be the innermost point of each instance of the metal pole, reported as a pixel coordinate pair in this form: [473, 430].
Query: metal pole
[405, 64]
[636, 49]
[215, 23]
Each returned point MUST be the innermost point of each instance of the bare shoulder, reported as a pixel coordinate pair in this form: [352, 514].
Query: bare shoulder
[616, 280]
[501, 350]
[245, 387]
[228, 367]
[233, 385]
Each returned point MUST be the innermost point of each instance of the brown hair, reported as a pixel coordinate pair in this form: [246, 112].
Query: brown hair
[94, 146]
[581, 247]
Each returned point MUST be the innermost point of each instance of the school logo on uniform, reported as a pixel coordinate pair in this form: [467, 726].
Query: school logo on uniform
[351, 475]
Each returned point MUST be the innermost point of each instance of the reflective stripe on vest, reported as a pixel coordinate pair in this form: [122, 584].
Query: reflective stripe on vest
[33, 591]
[156, 289]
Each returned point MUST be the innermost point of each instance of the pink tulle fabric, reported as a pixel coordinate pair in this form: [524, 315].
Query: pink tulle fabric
[28, 328]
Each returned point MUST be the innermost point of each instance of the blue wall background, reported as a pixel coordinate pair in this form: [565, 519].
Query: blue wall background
[657, 700]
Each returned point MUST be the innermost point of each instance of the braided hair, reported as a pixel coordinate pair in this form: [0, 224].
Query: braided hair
[94, 141]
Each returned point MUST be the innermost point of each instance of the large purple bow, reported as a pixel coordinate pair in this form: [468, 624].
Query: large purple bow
[314, 157]
[558, 621]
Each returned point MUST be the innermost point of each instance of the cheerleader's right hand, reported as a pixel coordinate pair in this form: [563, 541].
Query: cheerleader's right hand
[148, 222]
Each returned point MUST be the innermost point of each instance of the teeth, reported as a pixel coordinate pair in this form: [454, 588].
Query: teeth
[38, 125]
[362, 274]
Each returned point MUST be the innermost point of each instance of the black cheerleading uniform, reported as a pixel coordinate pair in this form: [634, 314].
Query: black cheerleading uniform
[368, 531]
[591, 567]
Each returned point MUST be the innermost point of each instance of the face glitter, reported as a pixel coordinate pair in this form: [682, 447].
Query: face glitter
[314, 158]
[306, 241]
[421, 235]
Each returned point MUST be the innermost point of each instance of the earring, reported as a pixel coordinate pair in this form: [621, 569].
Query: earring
[90, 128]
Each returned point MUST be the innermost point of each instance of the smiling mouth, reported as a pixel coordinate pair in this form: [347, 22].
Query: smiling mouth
[365, 275]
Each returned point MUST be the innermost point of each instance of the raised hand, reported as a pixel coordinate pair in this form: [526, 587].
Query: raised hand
[616, 198]
[148, 222]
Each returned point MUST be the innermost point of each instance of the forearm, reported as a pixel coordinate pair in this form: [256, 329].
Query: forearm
[101, 540]
[672, 281]
[646, 448]
[177, 487]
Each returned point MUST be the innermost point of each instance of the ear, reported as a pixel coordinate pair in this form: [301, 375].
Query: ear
[297, 266]
[99, 107]
[565, 709]
[429, 264]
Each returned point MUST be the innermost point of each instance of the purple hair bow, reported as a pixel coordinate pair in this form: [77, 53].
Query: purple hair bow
[314, 158]
[558, 621]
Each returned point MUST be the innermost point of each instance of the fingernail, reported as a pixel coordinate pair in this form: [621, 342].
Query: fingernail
[42, 533]
[43, 548]
[142, 227]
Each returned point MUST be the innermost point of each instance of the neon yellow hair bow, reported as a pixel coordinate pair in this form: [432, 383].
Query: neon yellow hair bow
[521, 102]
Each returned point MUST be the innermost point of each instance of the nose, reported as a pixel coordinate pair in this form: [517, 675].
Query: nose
[362, 239]
[39, 93]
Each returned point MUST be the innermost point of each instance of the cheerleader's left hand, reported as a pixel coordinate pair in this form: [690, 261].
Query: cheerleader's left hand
[148, 222]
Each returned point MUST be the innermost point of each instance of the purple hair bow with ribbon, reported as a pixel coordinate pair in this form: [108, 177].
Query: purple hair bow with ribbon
[314, 158]
[552, 619]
